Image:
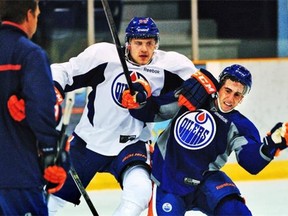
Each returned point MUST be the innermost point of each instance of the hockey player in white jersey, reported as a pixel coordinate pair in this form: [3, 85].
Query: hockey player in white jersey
[108, 138]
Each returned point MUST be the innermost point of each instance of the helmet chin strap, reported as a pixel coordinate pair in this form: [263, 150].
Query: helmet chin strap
[129, 58]
[219, 107]
[131, 61]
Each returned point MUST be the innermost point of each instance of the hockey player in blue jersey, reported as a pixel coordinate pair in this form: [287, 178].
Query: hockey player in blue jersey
[28, 137]
[108, 138]
[190, 152]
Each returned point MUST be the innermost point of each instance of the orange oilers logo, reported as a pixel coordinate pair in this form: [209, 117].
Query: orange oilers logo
[195, 130]
[145, 21]
[120, 84]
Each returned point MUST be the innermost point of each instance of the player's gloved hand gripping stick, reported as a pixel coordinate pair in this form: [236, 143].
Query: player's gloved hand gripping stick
[54, 160]
[116, 40]
[135, 97]
[138, 100]
[62, 155]
[66, 119]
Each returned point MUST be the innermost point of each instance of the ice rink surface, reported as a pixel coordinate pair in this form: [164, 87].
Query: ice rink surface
[264, 198]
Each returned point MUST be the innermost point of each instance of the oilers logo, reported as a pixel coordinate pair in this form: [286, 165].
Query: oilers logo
[195, 130]
[120, 84]
[167, 207]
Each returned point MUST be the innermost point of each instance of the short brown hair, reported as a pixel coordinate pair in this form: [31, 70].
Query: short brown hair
[16, 10]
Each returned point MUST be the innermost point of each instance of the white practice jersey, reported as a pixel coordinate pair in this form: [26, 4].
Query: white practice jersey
[106, 126]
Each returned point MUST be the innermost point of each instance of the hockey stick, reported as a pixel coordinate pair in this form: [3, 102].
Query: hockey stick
[66, 118]
[63, 137]
[72, 171]
[116, 40]
[82, 190]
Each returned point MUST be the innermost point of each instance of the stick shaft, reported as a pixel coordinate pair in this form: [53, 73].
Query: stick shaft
[82, 190]
[66, 119]
[115, 37]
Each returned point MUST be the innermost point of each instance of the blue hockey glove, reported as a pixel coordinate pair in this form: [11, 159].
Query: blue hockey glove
[276, 140]
[55, 164]
[195, 91]
[142, 92]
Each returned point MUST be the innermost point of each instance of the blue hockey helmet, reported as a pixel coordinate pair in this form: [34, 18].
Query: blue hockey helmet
[141, 27]
[237, 73]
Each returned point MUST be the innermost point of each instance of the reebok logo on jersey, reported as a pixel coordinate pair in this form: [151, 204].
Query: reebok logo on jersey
[195, 130]
[150, 70]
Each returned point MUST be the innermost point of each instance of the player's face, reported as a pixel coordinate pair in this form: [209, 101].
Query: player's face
[230, 95]
[141, 50]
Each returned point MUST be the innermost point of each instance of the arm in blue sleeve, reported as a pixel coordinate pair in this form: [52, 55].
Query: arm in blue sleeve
[251, 158]
[39, 95]
[157, 108]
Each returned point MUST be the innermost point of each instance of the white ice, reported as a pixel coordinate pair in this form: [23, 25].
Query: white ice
[264, 198]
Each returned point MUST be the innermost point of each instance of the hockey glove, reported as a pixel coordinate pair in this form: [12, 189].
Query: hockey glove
[142, 92]
[59, 96]
[55, 165]
[16, 108]
[57, 107]
[195, 91]
[276, 140]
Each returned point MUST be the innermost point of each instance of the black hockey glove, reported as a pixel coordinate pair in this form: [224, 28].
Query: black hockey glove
[142, 92]
[276, 140]
[55, 164]
[195, 91]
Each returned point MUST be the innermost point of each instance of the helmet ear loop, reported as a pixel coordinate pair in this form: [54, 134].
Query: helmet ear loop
[241, 100]
[247, 89]
[157, 43]
[157, 46]
[127, 49]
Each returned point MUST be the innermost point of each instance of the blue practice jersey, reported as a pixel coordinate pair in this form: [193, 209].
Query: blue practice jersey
[24, 71]
[200, 141]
